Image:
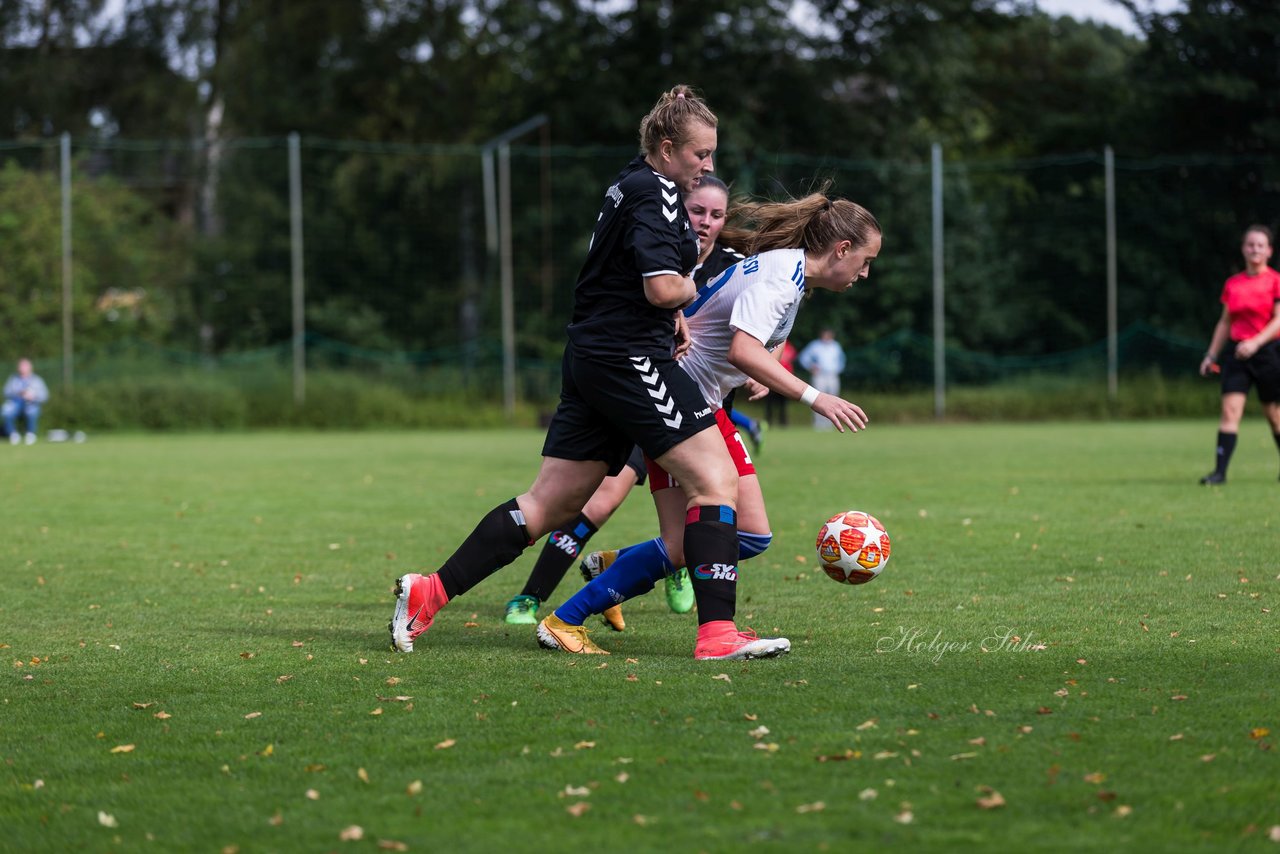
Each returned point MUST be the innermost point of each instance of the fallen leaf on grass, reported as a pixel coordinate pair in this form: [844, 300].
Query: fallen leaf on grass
[816, 806]
[1097, 777]
[143, 705]
[1044, 710]
[122, 748]
[164, 716]
[1123, 810]
[392, 845]
[868, 795]
[252, 715]
[622, 777]
[446, 744]
[414, 788]
[575, 792]
[1273, 833]
[990, 800]
[979, 741]
[312, 795]
[576, 810]
[1106, 796]
[399, 698]
[1259, 732]
[723, 677]
[106, 819]
[354, 833]
[269, 750]
[584, 745]
[956, 757]
[1208, 757]
[904, 817]
[1178, 697]
[376, 711]
[759, 732]
[866, 725]
[363, 775]
[277, 819]
[393, 680]
[772, 747]
[1177, 736]
[282, 679]
[841, 757]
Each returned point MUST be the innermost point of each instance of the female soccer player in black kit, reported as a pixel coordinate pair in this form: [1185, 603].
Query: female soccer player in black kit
[621, 387]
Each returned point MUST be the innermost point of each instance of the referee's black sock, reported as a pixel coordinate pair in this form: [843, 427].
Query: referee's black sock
[562, 548]
[499, 539]
[1226, 447]
[711, 553]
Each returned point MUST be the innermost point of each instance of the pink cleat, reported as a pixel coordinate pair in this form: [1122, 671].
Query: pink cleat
[721, 640]
[418, 599]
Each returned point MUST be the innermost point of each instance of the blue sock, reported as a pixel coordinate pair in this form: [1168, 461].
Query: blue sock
[750, 545]
[634, 572]
[742, 420]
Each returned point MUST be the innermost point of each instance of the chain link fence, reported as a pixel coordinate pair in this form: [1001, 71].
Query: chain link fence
[182, 260]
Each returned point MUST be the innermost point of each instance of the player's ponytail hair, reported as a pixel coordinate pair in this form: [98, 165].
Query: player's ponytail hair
[814, 223]
[671, 117]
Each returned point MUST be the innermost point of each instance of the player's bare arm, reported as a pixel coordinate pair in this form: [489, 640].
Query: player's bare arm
[748, 355]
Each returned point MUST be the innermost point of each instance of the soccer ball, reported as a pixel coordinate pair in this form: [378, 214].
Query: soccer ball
[853, 547]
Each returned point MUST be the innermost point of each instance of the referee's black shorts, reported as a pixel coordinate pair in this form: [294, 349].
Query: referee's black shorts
[608, 404]
[1262, 369]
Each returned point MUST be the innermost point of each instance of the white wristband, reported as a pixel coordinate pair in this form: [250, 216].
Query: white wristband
[809, 395]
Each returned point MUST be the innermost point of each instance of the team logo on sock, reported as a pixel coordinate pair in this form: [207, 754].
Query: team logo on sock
[716, 571]
[565, 542]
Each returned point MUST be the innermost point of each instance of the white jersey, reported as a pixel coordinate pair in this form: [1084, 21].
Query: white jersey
[760, 296]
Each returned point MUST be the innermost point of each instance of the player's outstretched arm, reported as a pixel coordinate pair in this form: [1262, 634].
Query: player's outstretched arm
[748, 354]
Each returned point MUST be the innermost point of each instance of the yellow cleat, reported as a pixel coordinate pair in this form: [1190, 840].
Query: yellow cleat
[555, 633]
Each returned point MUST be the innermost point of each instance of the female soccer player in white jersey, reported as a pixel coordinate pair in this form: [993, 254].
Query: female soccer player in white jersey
[735, 323]
[620, 387]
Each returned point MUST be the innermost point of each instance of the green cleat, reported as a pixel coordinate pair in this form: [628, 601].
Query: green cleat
[680, 591]
[522, 611]
[757, 437]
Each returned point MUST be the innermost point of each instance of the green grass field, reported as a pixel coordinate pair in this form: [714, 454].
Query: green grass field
[194, 636]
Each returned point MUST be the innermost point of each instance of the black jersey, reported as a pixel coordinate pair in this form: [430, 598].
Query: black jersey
[642, 230]
[720, 259]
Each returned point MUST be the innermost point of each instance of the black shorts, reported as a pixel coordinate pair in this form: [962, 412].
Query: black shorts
[609, 404]
[1262, 369]
[637, 463]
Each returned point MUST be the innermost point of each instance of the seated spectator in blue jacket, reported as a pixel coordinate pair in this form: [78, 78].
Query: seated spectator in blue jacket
[24, 394]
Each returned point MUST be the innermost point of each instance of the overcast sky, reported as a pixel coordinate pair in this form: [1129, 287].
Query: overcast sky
[1102, 11]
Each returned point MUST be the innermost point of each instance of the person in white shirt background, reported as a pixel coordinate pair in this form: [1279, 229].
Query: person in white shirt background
[24, 394]
[824, 359]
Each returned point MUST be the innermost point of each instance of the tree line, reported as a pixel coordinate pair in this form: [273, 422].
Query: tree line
[1021, 102]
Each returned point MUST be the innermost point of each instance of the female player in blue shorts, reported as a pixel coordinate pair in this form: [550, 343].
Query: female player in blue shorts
[736, 323]
[621, 387]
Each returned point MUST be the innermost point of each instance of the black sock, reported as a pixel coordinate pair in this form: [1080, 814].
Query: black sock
[562, 548]
[1226, 447]
[711, 553]
[499, 539]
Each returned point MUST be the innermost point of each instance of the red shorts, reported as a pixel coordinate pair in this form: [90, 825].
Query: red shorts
[659, 479]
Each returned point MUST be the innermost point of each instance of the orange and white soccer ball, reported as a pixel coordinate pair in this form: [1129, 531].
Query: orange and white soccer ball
[853, 547]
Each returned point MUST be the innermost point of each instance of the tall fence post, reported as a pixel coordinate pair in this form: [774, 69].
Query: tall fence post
[1113, 320]
[498, 239]
[295, 245]
[507, 283]
[67, 314]
[939, 296]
